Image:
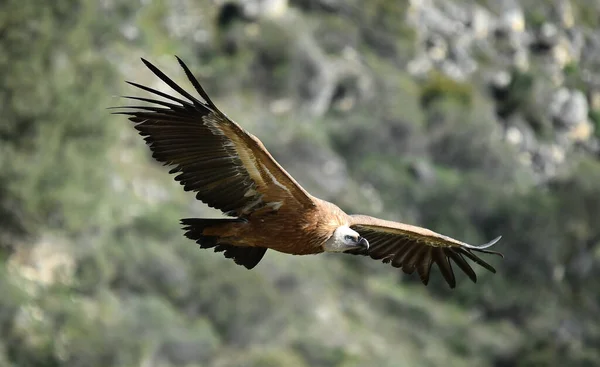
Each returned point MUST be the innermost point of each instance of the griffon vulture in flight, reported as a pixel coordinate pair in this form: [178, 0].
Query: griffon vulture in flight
[231, 170]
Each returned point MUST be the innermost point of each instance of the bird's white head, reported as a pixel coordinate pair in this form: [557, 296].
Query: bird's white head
[345, 238]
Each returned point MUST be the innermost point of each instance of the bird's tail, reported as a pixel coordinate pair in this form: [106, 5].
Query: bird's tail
[195, 228]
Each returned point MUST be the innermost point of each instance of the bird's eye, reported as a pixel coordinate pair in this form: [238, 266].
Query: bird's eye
[348, 237]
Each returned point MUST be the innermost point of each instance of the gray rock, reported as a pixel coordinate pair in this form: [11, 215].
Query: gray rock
[569, 108]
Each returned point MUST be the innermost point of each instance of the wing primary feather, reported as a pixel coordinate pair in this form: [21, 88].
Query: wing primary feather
[147, 108]
[445, 266]
[408, 268]
[171, 83]
[145, 120]
[230, 193]
[140, 117]
[376, 247]
[386, 250]
[424, 265]
[196, 84]
[156, 101]
[178, 132]
[159, 93]
[478, 260]
[462, 264]
[194, 163]
[398, 260]
[410, 263]
[213, 163]
[189, 179]
[383, 249]
[167, 140]
[490, 252]
[375, 238]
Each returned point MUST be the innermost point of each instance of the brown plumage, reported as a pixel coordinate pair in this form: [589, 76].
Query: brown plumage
[229, 169]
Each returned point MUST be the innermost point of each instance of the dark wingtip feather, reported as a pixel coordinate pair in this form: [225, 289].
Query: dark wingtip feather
[159, 93]
[148, 64]
[195, 83]
[162, 76]
[491, 252]
[445, 266]
[156, 101]
[478, 260]
[462, 264]
[424, 267]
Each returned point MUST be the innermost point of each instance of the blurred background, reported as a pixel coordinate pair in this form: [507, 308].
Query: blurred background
[474, 118]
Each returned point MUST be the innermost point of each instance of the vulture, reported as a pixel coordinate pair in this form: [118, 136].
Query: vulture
[265, 208]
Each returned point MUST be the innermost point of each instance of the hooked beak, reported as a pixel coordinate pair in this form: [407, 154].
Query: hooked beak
[363, 243]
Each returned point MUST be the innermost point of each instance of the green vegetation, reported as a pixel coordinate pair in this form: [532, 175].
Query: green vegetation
[94, 270]
[441, 87]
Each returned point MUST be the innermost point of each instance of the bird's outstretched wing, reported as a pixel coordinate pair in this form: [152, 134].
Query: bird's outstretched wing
[415, 248]
[226, 166]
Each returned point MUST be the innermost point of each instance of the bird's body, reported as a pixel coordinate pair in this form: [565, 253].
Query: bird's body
[304, 235]
[231, 170]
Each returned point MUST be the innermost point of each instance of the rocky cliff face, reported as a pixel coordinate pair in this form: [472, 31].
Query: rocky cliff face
[535, 61]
